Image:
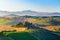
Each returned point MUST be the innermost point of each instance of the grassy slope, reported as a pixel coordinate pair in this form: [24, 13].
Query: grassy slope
[6, 38]
[3, 21]
[21, 36]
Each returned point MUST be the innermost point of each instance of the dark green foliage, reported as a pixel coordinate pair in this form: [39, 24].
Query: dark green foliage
[28, 25]
[20, 24]
[6, 38]
[1, 34]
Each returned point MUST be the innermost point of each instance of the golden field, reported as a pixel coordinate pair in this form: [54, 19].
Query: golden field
[9, 28]
[53, 28]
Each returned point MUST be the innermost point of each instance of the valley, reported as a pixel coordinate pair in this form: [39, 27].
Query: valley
[33, 27]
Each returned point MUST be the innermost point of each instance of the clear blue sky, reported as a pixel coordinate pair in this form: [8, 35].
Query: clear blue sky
[35, 5]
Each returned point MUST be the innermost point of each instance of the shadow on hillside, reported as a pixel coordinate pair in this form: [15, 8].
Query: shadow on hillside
[46, 35]
[42, 34]
[21, 36]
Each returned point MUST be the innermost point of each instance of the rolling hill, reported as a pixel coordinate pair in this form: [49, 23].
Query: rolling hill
[31, 13]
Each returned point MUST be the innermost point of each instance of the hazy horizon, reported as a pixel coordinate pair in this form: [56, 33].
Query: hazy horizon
[34, 5]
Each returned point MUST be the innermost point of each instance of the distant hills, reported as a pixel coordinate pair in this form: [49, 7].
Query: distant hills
[21, 16]
[30, 13]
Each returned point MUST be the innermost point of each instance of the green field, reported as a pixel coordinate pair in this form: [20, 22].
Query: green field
[3, 21]
[6, 38]
[21, 36]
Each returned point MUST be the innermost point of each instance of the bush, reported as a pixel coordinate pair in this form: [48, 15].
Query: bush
[18, 25]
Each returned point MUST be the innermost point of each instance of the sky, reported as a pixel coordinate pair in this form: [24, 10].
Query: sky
[34, 5]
